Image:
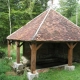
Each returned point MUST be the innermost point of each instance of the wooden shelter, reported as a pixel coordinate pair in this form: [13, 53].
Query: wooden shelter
[49, 28]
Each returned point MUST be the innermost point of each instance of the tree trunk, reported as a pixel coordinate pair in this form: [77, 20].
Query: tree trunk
[9, 16]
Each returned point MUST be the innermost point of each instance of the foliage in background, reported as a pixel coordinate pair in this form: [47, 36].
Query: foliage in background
[3, 20]
[70, 9]
[2, 54]
[4, 67]
[22, 11]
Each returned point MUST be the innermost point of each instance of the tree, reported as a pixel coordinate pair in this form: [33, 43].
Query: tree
[70, 9]
[3, 20]
[16, 13]
[73, 18]
[9, 16]
[25, 11]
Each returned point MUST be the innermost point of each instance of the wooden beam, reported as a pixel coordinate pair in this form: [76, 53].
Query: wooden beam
[18, 51]
[20, 45]
[75, 44]
[68, 45]
[9, 48]
[39, 46]
[70, 53]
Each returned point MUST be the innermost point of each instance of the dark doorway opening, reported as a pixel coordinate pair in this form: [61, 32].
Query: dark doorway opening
[51, 62]
[49, 54]
[52, 54]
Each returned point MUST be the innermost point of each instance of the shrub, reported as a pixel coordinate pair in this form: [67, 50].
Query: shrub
[2, 53]
[4, 67]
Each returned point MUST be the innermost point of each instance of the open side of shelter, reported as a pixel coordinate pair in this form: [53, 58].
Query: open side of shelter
[42, 53]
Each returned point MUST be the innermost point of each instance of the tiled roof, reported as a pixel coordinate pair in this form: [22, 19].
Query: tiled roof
[48, 26]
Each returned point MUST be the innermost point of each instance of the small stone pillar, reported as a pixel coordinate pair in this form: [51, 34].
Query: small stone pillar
[17, 66]
[31, 76]
[70, 68]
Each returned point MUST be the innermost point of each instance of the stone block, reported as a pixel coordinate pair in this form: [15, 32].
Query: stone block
[17, 66]
[70, 68]
[31, 76]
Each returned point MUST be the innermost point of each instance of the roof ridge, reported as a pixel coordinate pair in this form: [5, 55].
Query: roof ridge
[25, 24]
[41, 23]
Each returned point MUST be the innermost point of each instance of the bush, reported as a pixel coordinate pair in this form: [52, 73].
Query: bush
[2, 54]
[4, 67]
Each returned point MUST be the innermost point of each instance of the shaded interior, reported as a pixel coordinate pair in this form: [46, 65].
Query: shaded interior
[51, 54]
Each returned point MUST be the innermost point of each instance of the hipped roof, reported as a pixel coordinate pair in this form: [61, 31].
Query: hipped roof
[48, 26]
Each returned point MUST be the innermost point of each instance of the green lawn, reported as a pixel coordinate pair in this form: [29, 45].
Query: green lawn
[5, 67]
[52, 74]
[61, 74]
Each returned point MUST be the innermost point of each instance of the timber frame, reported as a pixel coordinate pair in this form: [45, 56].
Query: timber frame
[70, 52]
[34, 46]
[17, 49]
[34, 49]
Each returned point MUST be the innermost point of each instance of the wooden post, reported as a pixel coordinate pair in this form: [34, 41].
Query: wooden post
[9, 49]
[70, 56]
[18, 52]
[33, 58]
[34, 49]
[70, 53]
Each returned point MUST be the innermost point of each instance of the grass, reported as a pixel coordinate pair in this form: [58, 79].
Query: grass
[5, 67]
[52, 74]
[61, 74]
